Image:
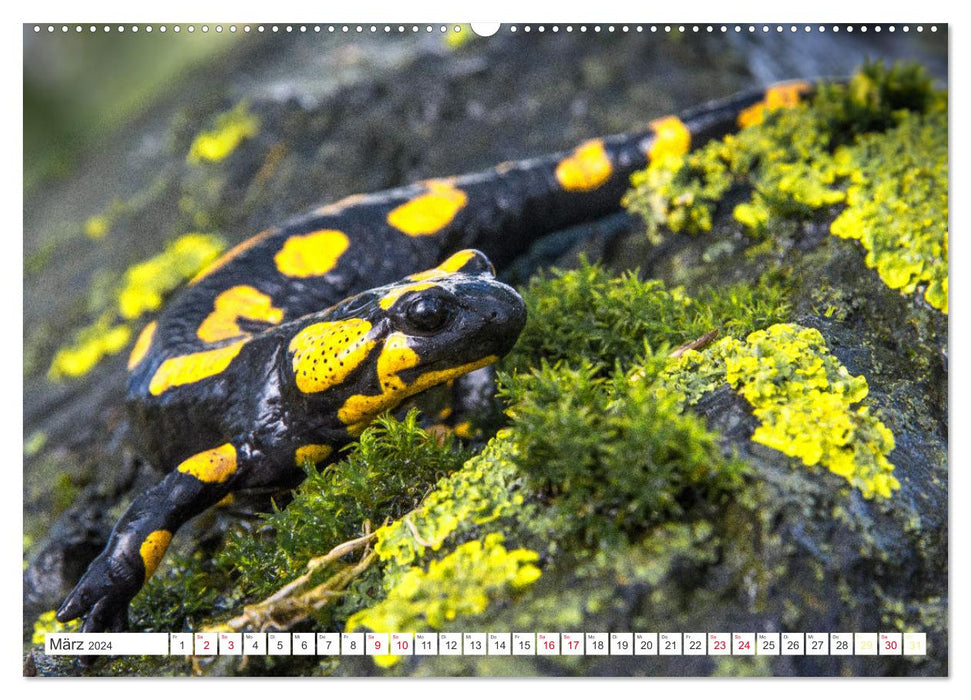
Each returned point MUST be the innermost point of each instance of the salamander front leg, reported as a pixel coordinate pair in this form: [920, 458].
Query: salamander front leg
[140, 538]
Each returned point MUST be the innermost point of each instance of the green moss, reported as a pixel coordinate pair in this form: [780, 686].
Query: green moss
[461, 584]
[231, 129]
[804, 398]
[383, 476]
[180, 596]
[582, 388]
[586, 314]
[614, 457]
[877, 145]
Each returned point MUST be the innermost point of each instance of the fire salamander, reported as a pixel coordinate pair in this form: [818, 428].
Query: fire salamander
[285, 348]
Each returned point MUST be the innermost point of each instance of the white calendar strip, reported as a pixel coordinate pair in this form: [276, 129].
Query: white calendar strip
[489, 644]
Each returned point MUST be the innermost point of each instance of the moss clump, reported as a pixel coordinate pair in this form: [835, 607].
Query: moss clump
[587, 314]
[614, 457]
[384, 476]
[877, 144]
[582, 386]
[231, 129]
[180, 596]
[461, 584]
[803, 396]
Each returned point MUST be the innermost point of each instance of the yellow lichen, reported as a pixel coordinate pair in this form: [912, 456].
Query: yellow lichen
[476, 494]
[146, 284]
[46, 623]
[96, 227]
[897, 205]
[91, 344]
[877, 145]
[231, 129]
[455, 39]
[143, 289]
[461, 584]
[805, 399]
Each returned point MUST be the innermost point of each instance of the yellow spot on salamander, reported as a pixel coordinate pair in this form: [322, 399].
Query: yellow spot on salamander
[781, 96]
[671, 138]
[312, 254]
[315, 454]
[458, 261]
[389, 299]
[142, 344]
[454, 263]
[241, 301]
[587, 168]
[234, 252]
[187, 369]
[396, 357]
[213, 466]
[153, 549]
[429, 213]
[325, 353]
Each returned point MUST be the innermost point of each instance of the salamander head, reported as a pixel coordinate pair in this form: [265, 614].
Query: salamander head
[370, 352]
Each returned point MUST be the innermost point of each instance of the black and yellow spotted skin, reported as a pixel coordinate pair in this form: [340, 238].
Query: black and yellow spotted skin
[287, 347]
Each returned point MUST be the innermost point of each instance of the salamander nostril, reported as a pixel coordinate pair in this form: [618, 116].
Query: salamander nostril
[493, 315]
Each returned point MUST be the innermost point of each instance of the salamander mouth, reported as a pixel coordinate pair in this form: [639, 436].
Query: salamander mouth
[503, 317]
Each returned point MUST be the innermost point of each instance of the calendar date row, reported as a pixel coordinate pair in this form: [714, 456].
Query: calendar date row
[491, 644]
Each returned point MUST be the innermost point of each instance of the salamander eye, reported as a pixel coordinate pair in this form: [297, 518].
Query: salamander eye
[428, 313]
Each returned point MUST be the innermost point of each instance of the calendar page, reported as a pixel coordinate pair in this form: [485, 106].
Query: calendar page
[515, 349]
